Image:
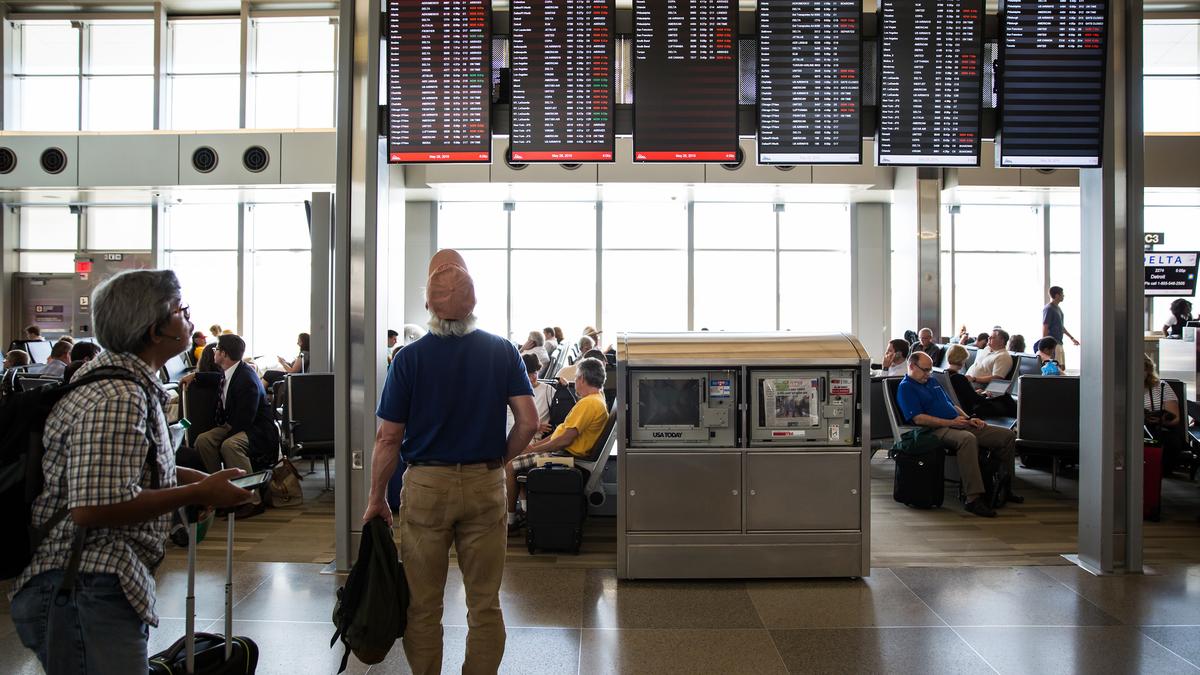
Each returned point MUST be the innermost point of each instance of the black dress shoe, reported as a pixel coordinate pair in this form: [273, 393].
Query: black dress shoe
[1013, 498]
[249, 511]
[977, 507]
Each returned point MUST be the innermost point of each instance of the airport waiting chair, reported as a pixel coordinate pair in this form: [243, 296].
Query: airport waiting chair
[1186, 458]
[310, 418]
[199, 405]
[593, 463]
[899, 426]
[881, 429]
[972, 353]
[32, 382]
[1048, 420]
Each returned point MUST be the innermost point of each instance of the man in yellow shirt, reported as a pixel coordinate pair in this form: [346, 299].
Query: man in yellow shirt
[574, 437]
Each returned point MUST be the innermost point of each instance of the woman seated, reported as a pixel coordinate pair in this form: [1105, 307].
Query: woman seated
[1161, 413]
[296, 365]
[973, 402]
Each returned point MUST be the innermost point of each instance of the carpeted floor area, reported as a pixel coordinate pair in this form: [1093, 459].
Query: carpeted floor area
[1034, 533]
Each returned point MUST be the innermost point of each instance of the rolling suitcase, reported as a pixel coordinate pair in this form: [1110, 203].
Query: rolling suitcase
[207, 653]
[1152, 475]
[919, 477]
[554, 508]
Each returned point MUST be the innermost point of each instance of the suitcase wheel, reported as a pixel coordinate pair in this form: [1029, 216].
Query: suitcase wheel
[529, 540]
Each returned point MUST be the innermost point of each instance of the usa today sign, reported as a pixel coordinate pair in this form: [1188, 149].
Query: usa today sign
[1171, 274]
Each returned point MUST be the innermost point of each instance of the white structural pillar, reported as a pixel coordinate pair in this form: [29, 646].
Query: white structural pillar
[1110, 391]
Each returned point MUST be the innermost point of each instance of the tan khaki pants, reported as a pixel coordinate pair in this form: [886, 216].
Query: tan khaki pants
[463, 506]
[966, 443]
[217, 446]
[1060, 355]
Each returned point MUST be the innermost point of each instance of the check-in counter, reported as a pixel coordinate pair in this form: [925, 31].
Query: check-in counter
[743, 455]
[1178, 360]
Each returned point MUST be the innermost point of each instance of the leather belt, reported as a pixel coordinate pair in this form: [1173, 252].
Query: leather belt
[491, 463]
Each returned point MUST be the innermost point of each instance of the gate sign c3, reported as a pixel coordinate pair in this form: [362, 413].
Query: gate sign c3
[1172, 274]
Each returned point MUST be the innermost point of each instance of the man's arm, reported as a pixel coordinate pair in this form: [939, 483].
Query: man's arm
[214, 490]
[186, 476]
[931, 422]
[564, 439]
[241, 405]
[385, 457]
[525, 425]
[1068, 334]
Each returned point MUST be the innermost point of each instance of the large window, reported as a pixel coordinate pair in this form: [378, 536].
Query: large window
[1171, 67]
[201, 246]
[292, 77]
[46, 76]
[47, 239]
[204, 73]
[279, 280]
[645, 267]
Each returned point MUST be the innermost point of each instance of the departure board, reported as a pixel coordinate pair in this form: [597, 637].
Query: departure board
[685, 85]
[1052, 58]
[562, 80]
[930, 94]
[439, 81]
[809, 81]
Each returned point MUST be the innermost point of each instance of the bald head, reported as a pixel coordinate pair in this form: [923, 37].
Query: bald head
[920, 366]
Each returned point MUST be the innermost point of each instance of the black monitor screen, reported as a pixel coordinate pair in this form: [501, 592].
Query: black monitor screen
[439, 81]
[930, 82]
[669, 403]
[562, 80]
[809, 81]
[1052, 59]
[685, 85]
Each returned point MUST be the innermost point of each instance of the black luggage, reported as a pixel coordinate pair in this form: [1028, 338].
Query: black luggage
[207, 653]
[554, 508]
[560, 406]
[919, 478]
[996, 479]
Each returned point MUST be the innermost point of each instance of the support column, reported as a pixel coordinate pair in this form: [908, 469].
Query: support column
[160, 66]
[916, 292]
[1110, 388]
[929, 287]
[359, 239]
[871, 284]
[9, 226]
[321, 300]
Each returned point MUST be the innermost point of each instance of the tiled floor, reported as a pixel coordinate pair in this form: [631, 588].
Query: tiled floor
[908, 620]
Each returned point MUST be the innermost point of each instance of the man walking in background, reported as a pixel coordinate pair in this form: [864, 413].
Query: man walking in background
[443, 409]
[1052, 324]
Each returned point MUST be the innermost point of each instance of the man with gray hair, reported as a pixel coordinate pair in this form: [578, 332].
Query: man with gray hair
[443, 410]
[574, 437]
[536, 344]
[84, 602]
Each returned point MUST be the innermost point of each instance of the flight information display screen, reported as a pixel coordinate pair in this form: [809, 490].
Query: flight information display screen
[562, 80]
[809, 81]
[439, 81]
[1052, 58]
[930, 97]
[685, 85]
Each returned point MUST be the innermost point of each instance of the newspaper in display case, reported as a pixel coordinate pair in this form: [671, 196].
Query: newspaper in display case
[792, 402]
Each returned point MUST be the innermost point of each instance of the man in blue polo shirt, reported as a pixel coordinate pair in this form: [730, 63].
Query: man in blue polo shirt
[924, 403]
[444, 409]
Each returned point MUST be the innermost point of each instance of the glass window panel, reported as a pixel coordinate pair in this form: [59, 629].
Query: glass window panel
[644, 291]
[294, 44]
[998, 228]
[1064, 228]
[121, 48]
[489, 271]
[734, 226]
[38, 262]
[1064, 271]
[645, 225]
[278, 317]
[815, 226]
[209, 285]
[741, 297]
[120, 103]
[1171, 47]
[279, 226]
[814, 292]
[1171, 104]
[554, 225]
[202, 226]
[48, 103]
[1180, 225]
[119, 228]
[293, 101]
[205, 46]
[204, 102]
[48, 227]
[49, 48]
[1018, 309]
[472, 225]
[541, 298]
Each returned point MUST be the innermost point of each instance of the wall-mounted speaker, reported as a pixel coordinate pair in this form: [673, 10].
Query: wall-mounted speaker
[256, 159]
[8, 160]
[204, 159]
[53, 160]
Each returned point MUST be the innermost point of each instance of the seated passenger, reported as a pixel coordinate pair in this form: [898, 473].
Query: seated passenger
[56, 365]
[583, 346]
[33, 333]
[1047, 347]
[1161, 411]
[543, 395]
[1017, 344]
[923, 402]
[551, 341]
[894, 357]
[198, 342]
[81, 353]
[981, 341]
[246, 437]
[296, 365]
[535, 344]
[973, 403]
[993, 364]
[574, 437]
[567, 374]
[1181, 314]
[926, 344]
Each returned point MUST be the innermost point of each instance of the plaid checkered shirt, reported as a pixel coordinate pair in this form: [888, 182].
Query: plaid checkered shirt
[96, 446]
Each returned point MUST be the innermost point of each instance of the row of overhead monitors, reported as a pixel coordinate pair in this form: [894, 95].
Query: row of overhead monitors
[1050, 81]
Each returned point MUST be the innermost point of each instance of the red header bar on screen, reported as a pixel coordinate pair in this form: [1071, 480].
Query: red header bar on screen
[672, 156]
[434, 157]
[567, 156]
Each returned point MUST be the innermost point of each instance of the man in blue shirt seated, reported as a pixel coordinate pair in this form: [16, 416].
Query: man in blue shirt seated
[924, 403]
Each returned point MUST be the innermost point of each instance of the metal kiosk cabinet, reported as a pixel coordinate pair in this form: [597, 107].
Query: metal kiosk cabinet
[743, 456]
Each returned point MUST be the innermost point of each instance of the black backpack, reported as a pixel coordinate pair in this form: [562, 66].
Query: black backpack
[22, 421]
[371, 612]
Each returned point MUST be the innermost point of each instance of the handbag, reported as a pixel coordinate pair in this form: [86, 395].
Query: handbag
[284, 490]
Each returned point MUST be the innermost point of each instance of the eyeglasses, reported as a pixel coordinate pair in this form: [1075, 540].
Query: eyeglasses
[925, 370]
[185, 310]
